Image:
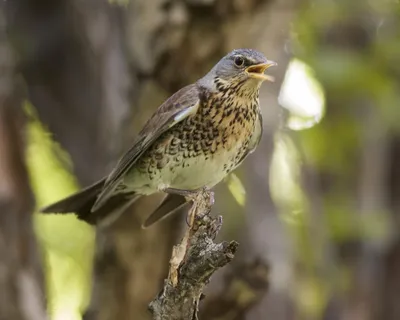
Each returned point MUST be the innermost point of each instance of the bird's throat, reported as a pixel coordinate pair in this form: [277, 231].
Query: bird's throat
[232, 112]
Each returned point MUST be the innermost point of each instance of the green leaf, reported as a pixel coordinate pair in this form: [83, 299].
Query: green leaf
[236, 187]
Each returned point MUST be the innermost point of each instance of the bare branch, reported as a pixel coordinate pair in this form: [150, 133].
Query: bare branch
[193, 262]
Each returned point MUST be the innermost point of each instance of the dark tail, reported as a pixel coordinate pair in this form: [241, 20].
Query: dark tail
[82, 202]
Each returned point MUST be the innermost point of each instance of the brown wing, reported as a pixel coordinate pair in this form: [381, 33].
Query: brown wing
[179, 106]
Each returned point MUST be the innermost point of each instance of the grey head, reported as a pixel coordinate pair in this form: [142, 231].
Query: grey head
[244, 67]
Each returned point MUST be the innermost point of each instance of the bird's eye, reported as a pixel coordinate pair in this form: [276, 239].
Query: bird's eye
[239, 61]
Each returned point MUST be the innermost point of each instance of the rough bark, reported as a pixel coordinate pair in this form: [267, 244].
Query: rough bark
[192, 263]
[21, 280]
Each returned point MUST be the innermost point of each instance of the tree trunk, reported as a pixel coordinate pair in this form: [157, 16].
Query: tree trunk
[21, 279]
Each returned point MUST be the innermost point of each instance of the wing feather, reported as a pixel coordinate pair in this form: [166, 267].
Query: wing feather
[178, 107]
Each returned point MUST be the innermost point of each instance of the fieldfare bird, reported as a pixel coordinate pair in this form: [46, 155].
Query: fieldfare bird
[194, 139]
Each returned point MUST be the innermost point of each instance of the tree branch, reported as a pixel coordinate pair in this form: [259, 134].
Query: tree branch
[193, 262]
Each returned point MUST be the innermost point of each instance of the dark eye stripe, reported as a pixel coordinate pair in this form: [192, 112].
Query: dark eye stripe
[247, 61]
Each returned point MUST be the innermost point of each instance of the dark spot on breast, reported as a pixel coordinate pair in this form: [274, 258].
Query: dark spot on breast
[197, 147]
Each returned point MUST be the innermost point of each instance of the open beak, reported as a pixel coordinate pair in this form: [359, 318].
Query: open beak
[257, 71]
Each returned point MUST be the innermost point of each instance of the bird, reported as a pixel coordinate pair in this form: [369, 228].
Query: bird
[194, 140]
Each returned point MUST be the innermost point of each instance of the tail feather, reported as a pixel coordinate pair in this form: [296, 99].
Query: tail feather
[80, 201]
[81, 204]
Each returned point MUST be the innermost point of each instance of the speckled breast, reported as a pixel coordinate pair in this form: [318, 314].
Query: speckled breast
[203, 148]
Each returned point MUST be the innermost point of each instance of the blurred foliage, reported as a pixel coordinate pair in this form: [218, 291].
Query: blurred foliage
[285, 171]
[302, 95]
[66, 242]
[236, 188]
[352, 49]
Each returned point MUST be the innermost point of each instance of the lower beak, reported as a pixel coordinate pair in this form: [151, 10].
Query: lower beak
[257, 71]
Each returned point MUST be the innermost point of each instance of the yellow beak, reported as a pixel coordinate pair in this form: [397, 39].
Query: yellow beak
[257, 71]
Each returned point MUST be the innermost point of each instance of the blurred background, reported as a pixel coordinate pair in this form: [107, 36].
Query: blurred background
[316, 208]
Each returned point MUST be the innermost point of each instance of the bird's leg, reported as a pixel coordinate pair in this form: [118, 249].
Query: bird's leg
[189, 195]
[192, 195]
[182, 192]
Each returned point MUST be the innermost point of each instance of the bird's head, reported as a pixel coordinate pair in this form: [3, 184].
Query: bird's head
[241, 68]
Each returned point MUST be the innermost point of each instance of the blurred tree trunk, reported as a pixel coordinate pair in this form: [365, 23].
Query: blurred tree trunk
[96, 71]
[21, 279]
[348, 160]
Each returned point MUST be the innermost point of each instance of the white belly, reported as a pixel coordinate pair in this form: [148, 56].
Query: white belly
[196, 172]
[187, 174]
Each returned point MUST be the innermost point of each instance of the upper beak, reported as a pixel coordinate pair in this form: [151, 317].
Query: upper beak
[257, 71]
